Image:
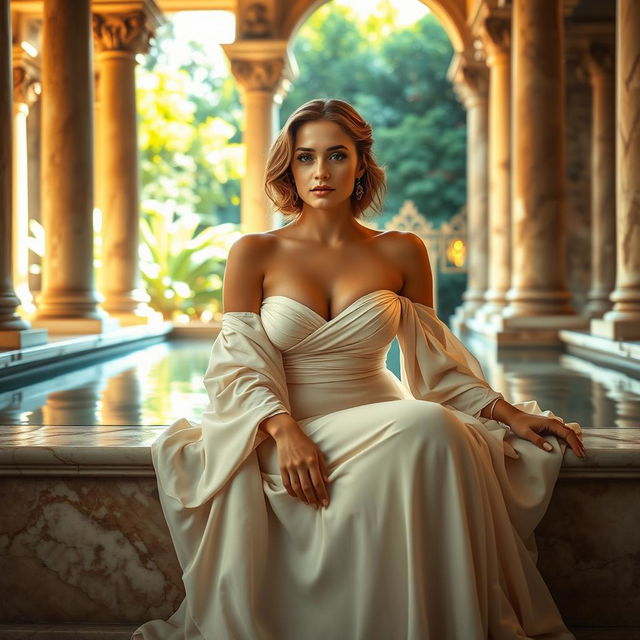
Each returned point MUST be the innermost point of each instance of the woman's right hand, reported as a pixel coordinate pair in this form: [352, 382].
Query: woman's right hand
[302, 464]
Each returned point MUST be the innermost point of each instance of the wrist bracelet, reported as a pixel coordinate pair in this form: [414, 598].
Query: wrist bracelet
[493, 404]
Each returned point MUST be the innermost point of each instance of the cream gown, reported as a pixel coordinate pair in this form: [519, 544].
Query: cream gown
[429, 533]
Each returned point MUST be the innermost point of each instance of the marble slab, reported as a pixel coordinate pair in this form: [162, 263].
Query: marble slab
[83, 539]
[122, 450]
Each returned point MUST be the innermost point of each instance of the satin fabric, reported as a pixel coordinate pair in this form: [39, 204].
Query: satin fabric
[429, 534]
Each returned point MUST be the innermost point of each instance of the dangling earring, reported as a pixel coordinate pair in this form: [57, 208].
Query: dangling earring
[359, 189]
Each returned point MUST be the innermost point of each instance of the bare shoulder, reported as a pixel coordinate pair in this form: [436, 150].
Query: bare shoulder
[244, 271]
[409, 252]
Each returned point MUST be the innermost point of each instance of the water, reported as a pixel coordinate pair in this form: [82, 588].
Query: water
[160, 383]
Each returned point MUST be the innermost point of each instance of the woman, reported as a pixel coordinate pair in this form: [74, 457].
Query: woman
[321, 497]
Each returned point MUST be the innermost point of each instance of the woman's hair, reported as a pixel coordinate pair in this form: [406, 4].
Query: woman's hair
[279, 184]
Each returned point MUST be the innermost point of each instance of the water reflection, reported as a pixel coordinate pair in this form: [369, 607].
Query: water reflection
[151, 386]
[163, 382]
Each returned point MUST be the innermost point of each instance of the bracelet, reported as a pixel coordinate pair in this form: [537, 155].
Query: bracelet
[493, 404]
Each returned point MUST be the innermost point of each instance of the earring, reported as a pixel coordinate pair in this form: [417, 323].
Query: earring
[359, 189]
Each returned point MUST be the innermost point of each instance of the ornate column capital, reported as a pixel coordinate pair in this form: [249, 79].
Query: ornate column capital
[128, 32]
[471, 83]
[26, 77]
[496, 36]
[591, 50]
[599, 61]
[258, 75]
[261, 65]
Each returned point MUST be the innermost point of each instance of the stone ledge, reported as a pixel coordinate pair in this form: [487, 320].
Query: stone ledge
[16, 361]
[85, 522]
[620, 354]
[125, 452]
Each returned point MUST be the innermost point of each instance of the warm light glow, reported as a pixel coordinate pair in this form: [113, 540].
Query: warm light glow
[29, 48]
[456, 252]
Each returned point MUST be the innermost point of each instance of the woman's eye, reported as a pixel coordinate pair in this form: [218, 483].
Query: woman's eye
[306, 157]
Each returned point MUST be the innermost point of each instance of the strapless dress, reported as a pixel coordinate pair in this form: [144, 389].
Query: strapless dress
[429, 534]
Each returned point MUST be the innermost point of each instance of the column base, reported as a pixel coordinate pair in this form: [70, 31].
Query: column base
[488, 311]
[469, 308]
[616, 329]
[12, 339]
[526, 331]
[540, 323]
[77, 326]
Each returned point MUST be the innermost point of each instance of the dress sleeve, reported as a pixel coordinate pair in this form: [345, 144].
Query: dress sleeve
[436, 366]
[245, 382]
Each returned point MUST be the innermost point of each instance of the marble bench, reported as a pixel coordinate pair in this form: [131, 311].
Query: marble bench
[85, 552]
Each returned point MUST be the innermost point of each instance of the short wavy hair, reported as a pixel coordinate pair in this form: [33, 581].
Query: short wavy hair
[279, 184]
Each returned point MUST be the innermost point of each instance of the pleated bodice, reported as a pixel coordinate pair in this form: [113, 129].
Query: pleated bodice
[343, 359]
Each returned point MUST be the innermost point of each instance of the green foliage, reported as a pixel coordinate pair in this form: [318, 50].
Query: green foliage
[182, 266]
[189, 132]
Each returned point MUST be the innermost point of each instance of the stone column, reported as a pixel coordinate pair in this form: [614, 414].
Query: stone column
[26, 90]
[471, 88]
[14, 330]
[259, 66]
[599, 64]
[538, 298]
[623, 321]
[497, 40]
[118, 38]
[68, 303]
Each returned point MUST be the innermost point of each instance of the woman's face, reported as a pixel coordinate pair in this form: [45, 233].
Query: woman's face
[324, 155]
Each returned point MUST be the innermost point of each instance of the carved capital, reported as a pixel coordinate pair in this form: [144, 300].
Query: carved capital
[121, 32]
[258, 75]
[599, 60]
[471, 84]
[26, 77]
[496, 35]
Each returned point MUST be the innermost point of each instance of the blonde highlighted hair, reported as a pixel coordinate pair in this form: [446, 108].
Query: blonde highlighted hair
[279, 184]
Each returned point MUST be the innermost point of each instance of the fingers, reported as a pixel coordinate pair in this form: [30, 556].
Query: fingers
[307, 483]
[308, 488]
[558, 428]
[570, 436]
[320, 490]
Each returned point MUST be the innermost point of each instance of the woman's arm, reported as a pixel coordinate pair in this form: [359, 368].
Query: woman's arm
[411, 253]
[530, 426]
[302, 464]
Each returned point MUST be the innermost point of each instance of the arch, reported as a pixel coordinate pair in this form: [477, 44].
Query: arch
[450, 13]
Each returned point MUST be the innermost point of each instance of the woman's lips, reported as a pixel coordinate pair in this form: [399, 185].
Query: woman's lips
[323, 191]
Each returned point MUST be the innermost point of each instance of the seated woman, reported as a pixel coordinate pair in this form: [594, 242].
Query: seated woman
[321, 497]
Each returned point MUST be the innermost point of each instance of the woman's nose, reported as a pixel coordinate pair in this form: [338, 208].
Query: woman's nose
[321, 170]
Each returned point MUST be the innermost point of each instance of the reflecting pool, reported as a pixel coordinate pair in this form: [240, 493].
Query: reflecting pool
[158, 384]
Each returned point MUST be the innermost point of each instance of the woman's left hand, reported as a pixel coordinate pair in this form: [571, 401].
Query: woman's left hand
[530, 427]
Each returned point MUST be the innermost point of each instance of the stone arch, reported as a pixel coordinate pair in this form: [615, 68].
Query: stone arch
[450, 13]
